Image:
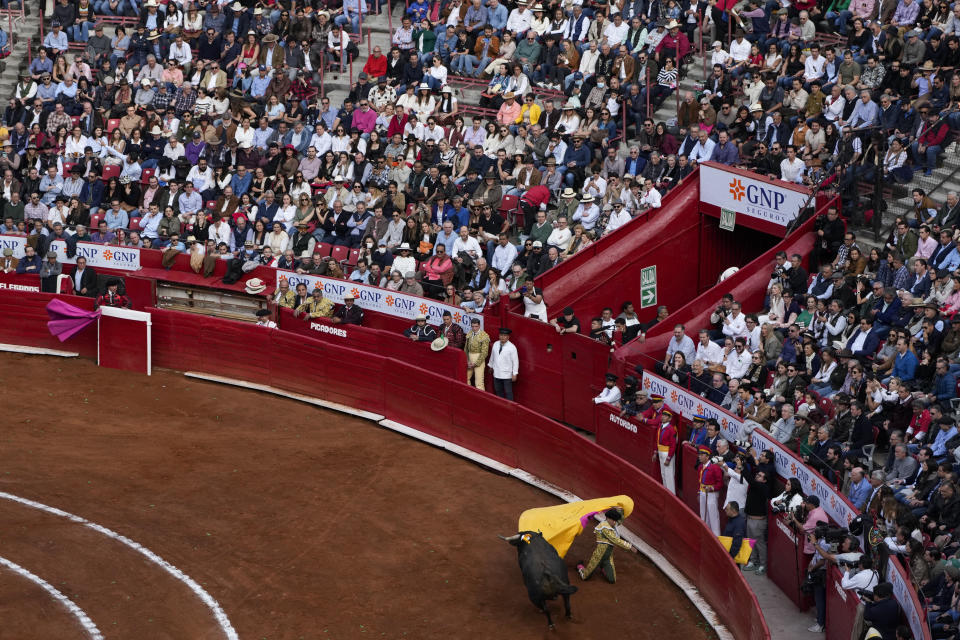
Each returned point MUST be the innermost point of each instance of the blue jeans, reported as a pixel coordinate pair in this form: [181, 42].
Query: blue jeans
[926, 160]
[79, 32]
[839, 20]
[352, 18]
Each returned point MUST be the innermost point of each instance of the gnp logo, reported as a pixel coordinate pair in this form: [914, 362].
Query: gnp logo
[737, 190]
[756, 195]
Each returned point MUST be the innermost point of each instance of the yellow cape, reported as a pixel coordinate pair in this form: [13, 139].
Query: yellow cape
[562, 523]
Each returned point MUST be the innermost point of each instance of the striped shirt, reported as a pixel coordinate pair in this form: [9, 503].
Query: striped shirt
[667, 78]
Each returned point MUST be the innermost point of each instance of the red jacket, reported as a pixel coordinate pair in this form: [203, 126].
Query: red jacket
[710, 476]
[934, 135]
[537, 195]
[667, 437]
[376, 67]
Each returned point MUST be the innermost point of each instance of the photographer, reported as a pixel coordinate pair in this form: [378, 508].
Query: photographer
[816, 580]
[718, 316]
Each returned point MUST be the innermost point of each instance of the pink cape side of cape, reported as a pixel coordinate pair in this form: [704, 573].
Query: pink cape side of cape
[67, 320]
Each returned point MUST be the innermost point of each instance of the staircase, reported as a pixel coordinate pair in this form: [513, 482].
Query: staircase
[26, 29]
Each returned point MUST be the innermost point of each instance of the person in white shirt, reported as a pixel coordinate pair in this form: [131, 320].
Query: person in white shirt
[611, 392]
[465, 242]
[263, 319]
[719, 56]
[561, 236]
[814, 64]
[651, 197]
[619, 216]
[503, 255]
[734, 324]
[738, 361]
[792, 168]
[616, 31]
[519, 20]
[708, 351]
[834, 104]
[596, 186]
[180, 51]
[201, 176]
[505, 363]
[740, 48]
[173, 149]
[587, 213]
[703, 149]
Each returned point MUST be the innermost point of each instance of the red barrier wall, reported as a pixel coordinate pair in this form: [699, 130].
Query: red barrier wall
[747, 286]
[841, 606]
[507, 432]
[786, 563]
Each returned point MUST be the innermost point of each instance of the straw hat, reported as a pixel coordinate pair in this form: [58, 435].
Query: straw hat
[439, 344]
[254, 286]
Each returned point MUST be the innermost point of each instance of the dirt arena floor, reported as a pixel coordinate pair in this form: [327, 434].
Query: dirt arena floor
[299, 522]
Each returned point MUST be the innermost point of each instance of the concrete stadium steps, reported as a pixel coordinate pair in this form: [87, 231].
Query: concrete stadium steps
[28, 28]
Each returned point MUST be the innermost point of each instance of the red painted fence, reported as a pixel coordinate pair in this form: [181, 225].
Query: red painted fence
[433, 403]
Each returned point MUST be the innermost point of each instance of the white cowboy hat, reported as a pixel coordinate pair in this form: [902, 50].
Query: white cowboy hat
[439, 344]
[156, 131]
[255, 286]
[236, 6]
[673, 24]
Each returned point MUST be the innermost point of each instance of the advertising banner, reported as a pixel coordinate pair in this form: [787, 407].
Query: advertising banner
[742, 193]
[98, 255]
[371, 298]
[688, 404]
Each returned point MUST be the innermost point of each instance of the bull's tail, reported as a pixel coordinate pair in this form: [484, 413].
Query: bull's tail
[556, 586]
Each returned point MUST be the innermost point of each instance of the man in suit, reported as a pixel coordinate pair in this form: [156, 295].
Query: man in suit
[863, 343]
[214, 78]
[8, 264]
[271, 53]
[949, 213]
[84, 279]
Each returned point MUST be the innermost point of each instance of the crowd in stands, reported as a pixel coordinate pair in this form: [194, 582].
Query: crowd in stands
[200, 127]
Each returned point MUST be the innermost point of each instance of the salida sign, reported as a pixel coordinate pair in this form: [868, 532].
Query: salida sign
[757, 197]
[371, 298]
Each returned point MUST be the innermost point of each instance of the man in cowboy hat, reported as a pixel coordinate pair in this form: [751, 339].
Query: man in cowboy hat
[420, 331]
[316, 307]
[674, 45]
[588, 213]
[349, 312]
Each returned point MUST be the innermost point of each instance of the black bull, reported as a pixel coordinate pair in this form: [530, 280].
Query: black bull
[544, 572]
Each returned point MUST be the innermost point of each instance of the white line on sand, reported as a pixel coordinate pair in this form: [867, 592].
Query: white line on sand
[199, 591]
[70, 605]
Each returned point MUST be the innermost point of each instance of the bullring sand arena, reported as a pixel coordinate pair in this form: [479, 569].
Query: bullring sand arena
[295, 522]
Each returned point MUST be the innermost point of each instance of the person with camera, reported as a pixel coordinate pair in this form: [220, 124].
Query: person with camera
[829, 230]
[719, 314]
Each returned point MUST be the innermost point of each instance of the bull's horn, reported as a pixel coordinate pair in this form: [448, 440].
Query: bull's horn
[512, 538]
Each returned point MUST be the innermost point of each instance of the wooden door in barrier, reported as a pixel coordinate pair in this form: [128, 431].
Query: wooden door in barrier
[841, 606]
[124, 340]
[784, 560]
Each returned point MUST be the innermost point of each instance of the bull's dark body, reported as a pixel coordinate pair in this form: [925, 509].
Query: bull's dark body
[544, 572]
